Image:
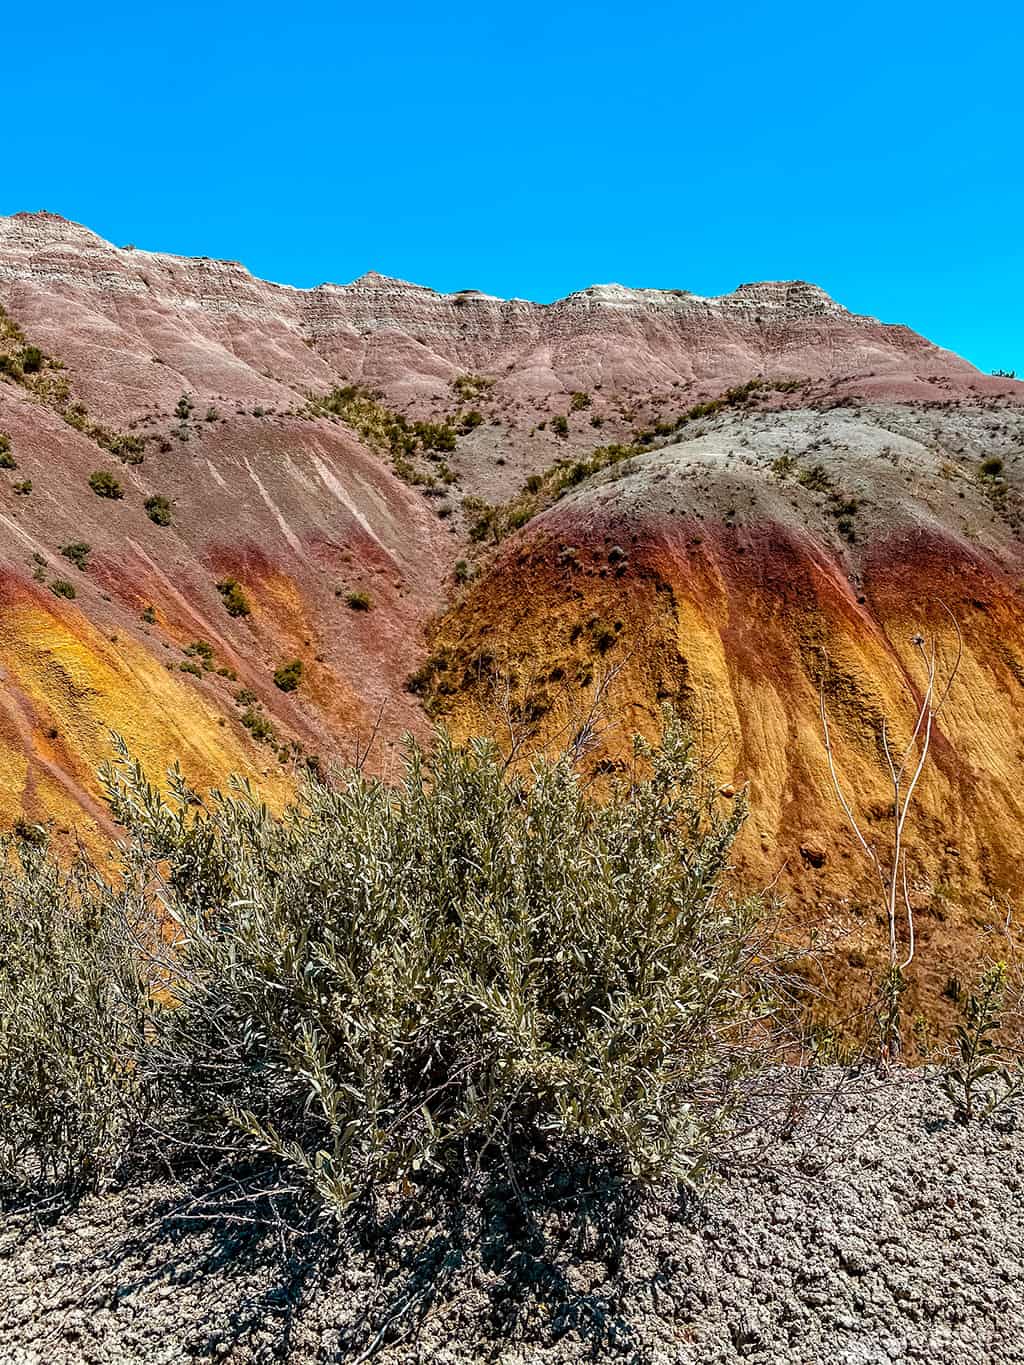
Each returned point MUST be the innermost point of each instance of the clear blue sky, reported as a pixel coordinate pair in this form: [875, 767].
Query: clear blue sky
[531, 149]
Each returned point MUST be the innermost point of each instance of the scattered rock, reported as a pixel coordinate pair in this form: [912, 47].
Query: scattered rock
[813, 850]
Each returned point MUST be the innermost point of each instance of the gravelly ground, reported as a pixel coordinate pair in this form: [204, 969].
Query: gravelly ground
[907, 1246]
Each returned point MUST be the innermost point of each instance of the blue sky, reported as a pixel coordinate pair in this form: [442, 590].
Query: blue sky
[533, 149]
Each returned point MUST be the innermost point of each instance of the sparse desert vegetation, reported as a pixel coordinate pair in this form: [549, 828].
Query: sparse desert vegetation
[105, 485]
[159, 509]
[288, 676]
[78, 553]
[232, 594]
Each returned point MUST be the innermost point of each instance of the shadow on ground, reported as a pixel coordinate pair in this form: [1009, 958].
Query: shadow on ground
[249, 1275]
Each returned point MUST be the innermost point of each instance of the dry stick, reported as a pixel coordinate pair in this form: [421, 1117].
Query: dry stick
[894, 879]
[587, 732]
[363, 754]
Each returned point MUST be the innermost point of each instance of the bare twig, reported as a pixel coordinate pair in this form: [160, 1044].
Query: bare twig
[892, 872]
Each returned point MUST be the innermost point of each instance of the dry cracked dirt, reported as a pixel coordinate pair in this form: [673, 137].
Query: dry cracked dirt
[882, 1230]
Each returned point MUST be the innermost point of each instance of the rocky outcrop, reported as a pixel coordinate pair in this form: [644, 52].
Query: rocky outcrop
[220, 329]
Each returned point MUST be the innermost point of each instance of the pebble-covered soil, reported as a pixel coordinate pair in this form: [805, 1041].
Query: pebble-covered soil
[888, 1231]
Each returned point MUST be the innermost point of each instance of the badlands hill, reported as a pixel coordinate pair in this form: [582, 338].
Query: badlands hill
[784, 494]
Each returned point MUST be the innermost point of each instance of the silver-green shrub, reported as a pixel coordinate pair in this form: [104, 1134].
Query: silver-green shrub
[72, 1004]
[461, 967]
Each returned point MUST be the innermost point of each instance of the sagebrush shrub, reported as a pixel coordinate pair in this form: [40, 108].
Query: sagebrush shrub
[77, 552]
[258, 725]
[104, 485]
[71, 1006]
[466, 966]
[233, 596]
[159, 509]
[289, 675]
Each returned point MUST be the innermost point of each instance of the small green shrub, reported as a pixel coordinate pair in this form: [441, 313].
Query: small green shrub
[28, 833]
[131, 449]
[258, 726]
[603, 634]
[358, 601]
[78, 553]
[288, 676]
[148, 616]
[31, 360]
[470, 386]
[847, 528]
[201, 650]
[60, 587]
[105, 485]
[188, 667]
[77, 416]
[980, 1057]
[991, 468]
[815, 478]
[579, 401]
[560, 425]
[24, 488]
[7, 460]
[435, 435]
[235, 601]
[158, 509]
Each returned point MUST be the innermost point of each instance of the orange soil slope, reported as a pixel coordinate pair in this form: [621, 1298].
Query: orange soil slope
[722, 590]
